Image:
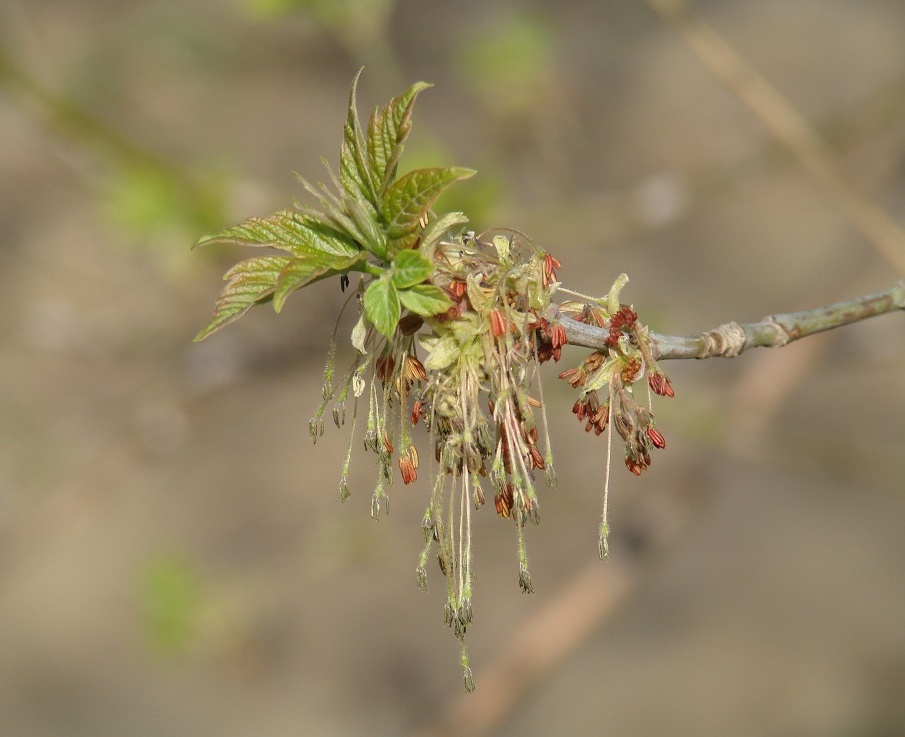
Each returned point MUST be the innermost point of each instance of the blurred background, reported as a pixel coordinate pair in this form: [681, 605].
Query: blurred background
[174, 557]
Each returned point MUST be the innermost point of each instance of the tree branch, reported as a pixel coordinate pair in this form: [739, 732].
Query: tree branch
[732, 338]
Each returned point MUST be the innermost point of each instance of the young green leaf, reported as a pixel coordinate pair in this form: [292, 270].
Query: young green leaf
[382, 305]
[425, 300]
[388, 129]
[299, 233]
[410, 197]
[354, 171]
[301, 272]
[250, 282]
[410, 268]
[367, 230]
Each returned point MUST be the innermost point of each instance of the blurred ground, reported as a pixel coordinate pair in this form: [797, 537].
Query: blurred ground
[174, 558]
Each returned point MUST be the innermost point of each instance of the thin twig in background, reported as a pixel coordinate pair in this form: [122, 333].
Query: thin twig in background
[787, 125]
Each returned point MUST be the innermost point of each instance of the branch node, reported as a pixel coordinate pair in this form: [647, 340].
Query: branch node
[781, 335]
[727, 341]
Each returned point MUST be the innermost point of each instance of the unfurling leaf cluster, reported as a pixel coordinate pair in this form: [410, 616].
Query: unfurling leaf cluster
[367, 221]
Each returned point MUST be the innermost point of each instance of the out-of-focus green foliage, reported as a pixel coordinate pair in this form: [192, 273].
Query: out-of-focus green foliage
[171, 603]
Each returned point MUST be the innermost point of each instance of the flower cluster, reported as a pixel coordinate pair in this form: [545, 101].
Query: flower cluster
[477, 393]
[615, 369]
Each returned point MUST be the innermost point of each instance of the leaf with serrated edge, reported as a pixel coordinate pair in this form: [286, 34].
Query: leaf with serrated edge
[299, 233]
[410, 268]
[354, 172]
[410, 197]
[370, 234]
[425, 300]
[382, 306]
[299, 273]
[250, 282]
[387, 130]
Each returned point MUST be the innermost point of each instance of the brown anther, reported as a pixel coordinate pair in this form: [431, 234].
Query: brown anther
[592, 361]
[624, 426]
[537, 460]
[602, 416]
[532, 402]
[575, 376]
[502, 508]
[414, 370]
[383, 367]
[558, 337]
[387, 443]
[410, 324]
[416, 412]
[631, 370]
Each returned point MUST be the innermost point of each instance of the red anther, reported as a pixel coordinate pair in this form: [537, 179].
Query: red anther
[497, 324]
[633, 465]
[551, 264]
[558, 336]
[659, 383]
[416, 412]
[656, 437]
[458, 289]
[407, 468]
